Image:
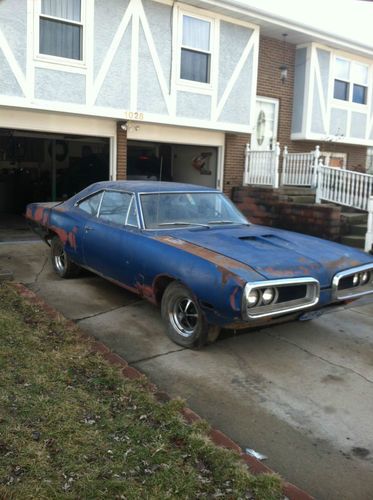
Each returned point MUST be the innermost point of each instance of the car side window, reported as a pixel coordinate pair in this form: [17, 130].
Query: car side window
[132, 214]
[114, 207]
[91, 204]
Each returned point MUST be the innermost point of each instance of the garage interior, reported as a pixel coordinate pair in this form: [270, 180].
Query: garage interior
[172, 162]
[36, 166]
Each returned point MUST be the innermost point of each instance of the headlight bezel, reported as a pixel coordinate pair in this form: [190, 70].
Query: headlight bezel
[275, 308]
[353, 291]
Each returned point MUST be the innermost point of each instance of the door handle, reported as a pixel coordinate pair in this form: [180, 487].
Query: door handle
[88, 228]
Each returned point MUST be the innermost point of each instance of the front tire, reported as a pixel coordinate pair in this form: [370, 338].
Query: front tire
[61, 262]
[186, 323]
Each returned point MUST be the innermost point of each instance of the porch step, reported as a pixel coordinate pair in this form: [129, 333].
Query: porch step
[353, 241]
[307, 199]
[295, 190]
[355, 217]
[358, 230]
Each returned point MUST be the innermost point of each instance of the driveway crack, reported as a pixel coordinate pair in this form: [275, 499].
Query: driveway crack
[41, 270]
[77, 320]
[317, 356]
[157, 355]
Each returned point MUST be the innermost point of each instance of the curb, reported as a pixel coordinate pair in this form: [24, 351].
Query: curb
[220, 439]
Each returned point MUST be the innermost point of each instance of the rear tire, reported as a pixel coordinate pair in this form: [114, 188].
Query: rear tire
[61, 262]
[186, 323]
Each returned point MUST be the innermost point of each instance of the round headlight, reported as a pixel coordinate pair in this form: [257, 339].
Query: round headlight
[253, 298]
[364, 278]
[268, 295]
[356, 279]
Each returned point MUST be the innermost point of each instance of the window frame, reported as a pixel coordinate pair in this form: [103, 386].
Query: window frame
[192, 83]
[91, 195]
[350, 82]
[59, 60]
[102, 192]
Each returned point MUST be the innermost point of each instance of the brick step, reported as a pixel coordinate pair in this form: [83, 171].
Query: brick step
[353, 241]
[358, 230]
[295, 190]
[307, 199]
[355, 217]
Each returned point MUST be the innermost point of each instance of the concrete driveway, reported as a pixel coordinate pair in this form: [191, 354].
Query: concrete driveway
[301, 393]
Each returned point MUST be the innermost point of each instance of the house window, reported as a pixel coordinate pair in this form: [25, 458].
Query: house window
[351, 81]
[61, 29]
[195, 49]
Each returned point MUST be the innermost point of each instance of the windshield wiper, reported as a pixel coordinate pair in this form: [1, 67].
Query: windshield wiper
[222, 222]
[183, 223]
[228, 222]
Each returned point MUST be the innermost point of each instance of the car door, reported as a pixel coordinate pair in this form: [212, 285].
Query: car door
[83, 212]
[109, 239]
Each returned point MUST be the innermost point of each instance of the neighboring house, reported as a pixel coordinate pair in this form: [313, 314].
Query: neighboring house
[160, 89]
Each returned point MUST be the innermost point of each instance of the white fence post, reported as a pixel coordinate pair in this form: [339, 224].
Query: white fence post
[276, 175]
[246, 170]
[315, 167]
[284, 164]
[320, 181]
[369, 234]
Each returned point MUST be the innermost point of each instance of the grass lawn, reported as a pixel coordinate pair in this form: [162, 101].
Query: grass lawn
[72, 427]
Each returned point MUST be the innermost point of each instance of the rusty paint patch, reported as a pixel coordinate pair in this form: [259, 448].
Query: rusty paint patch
[28, 213]
[342, 262]
[225, 265]
[286, 272]
[65, 236]
[45, 218]
[233, 298]
[39, 214]
[332, 265]
[147, 292]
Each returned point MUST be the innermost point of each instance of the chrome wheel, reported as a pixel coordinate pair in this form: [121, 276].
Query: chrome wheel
[184, 316]
[186, 322]
[59, 261]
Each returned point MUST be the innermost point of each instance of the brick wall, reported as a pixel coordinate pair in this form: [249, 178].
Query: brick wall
[121, 152]
[266, 206]
[234, 159]
[271, 57]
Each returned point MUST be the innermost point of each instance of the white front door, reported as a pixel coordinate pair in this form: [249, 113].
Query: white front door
[264, 136]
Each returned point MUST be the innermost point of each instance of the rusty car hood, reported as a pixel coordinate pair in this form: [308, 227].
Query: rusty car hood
[276, 253]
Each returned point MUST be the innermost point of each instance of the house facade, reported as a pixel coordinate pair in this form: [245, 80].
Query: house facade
[93, 89]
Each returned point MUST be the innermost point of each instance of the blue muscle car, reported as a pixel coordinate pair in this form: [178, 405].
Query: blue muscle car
[188, 249]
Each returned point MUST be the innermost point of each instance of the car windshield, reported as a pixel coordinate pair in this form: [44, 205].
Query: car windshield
[162, 210]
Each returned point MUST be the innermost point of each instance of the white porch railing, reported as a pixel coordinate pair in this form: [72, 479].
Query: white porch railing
[369, 234]
[344, 187]
[299, 169]
[261, 167]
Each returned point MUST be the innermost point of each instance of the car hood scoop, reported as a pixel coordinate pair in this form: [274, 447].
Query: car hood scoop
[276, 253]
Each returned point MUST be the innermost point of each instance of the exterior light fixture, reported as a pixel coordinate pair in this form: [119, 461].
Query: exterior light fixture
[283, 68]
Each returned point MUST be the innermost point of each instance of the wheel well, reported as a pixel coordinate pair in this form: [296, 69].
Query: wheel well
[160, 285]
[49, 236]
